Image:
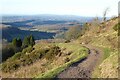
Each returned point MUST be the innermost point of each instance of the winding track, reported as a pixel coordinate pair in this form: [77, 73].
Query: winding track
[83, 68]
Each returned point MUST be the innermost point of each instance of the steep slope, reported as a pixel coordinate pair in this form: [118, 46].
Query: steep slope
[107, 39]
[72, 58]
[45, 60]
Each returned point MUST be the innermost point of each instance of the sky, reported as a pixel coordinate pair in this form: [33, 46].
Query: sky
[59, 7]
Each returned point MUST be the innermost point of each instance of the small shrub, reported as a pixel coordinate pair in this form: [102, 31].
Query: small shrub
[35, 56]
[53, 51]
[16, 56]
[28, 49]
[10, 66]
[117, 28]
[67, 60]
[25, 60]
[14, 66]
[43, 51]
[22, 59]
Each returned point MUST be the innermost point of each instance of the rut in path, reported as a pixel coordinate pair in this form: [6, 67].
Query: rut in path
[83, 68]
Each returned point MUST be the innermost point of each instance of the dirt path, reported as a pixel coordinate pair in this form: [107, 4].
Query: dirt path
[84, 68]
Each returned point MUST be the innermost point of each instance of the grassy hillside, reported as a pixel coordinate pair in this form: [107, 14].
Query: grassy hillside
[73, 53]
[107, 39]
[44, 61]
[47, 59]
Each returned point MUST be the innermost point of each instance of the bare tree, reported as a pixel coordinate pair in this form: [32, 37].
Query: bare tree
[104, 14]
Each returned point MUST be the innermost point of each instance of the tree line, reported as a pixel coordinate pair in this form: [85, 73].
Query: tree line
[28, 41]
[17, 45]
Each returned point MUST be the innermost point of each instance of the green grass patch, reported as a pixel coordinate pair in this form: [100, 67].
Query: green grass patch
[107, 52]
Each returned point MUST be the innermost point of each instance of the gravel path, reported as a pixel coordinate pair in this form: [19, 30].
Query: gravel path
[83, 68]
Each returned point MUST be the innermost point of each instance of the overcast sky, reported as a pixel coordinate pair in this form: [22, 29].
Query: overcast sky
[60, 7]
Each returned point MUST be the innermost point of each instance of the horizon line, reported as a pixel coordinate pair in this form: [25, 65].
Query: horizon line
[50, 14]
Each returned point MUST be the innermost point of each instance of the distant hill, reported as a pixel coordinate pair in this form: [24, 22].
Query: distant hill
[31, 23]
[35, 20]
[44, 17]
[9, 33]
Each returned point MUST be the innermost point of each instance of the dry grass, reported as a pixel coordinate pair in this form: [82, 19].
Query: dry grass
[109, 67]
[108, 41]
[42, 66]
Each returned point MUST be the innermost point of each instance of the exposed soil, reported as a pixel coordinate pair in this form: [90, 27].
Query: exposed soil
[83, 68]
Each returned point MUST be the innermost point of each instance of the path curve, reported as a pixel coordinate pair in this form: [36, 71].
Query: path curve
[84, 68]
